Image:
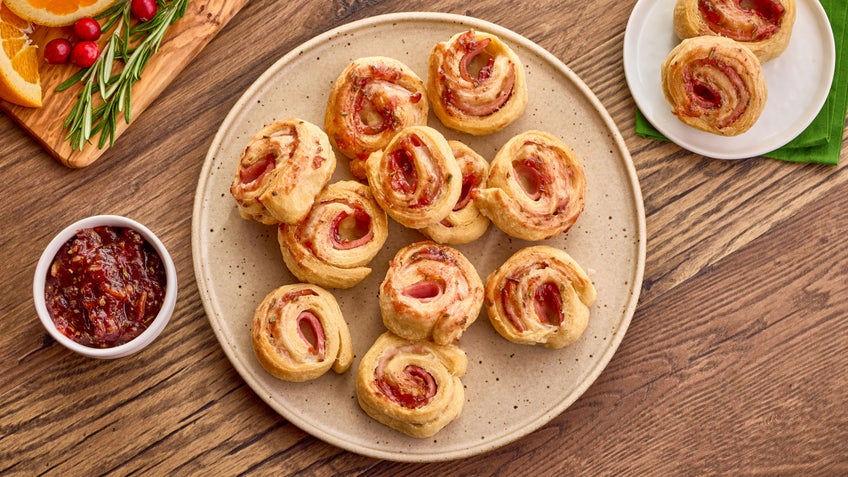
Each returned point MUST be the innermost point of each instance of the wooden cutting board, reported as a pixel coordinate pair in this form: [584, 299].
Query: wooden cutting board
[184, 40]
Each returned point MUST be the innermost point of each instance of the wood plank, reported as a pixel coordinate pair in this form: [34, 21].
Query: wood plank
[184, 40]
[734, 362]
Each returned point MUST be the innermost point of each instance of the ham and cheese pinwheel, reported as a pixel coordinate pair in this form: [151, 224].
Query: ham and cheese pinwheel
[281, 170]
[476, 83]
[764, 26]
[411, 386]
[536, 187]
[371, 100]
[298, 333]
[539, 296]
[342, 233]
[465, 223]
[431, 291]
[416, 178]
[714, 84]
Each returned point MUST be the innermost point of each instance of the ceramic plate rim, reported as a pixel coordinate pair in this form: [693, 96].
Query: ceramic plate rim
[627, 167]
[653, 106]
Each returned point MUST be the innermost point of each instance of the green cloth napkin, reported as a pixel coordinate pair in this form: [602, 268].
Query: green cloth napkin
[821, 142]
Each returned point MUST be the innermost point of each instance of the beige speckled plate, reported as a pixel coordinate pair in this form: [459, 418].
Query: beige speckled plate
[511, 390]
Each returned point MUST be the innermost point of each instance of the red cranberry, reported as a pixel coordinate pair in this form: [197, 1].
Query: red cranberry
[57, 51]
[85, 53]
[87, 29]
[143, 10]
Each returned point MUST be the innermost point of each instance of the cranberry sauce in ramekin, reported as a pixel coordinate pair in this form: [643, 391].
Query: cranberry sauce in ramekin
[105, 286]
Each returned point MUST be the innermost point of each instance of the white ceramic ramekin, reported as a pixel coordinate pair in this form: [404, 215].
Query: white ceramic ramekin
[147, 336]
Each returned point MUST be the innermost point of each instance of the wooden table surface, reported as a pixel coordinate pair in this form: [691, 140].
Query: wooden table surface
[735, 360]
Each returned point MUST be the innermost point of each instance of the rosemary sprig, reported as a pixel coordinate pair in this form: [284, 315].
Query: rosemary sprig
[129, 43]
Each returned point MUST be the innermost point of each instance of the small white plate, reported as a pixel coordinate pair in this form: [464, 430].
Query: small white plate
[798, 81]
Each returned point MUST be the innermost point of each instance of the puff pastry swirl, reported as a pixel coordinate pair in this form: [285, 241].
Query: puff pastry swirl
[714, 84]
[539, 296]
[476, 83]
[298, 333]
[281, 170]
[411, 386]
[465, 223]
[416, 178]
[764, 26]
[536, 187]
[431, 291]
[371, 100]
[342, 233]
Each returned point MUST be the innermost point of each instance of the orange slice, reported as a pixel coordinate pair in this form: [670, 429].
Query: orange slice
[19, 80]
[57, 12]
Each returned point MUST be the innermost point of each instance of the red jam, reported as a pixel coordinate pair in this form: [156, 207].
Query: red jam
[105, 286]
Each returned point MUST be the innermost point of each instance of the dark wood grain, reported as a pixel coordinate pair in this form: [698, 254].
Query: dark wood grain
[734, 362]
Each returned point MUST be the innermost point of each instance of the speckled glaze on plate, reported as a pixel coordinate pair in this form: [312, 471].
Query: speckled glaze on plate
[511, 390]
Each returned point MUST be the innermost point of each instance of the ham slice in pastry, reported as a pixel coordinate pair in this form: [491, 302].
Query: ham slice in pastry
[371, 100]
[281, 170]
[714, 84]
[333, 245]
[764, 26]
[476, 83]
[536, 187]
[465, 223]
[298, 333]
[411, 386]
[539, 296]
[431, 292]
[415, 178]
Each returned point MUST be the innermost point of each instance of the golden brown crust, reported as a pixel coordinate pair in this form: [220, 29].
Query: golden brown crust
[283, 348]
[714, 84]
[536, 187]
[333, 245]
[431, 292]
[284, 166]
[539, 296]
[465, 223]
[765, 27]
[411, 386]
[476, 83]
[371, 100]
[415, 178]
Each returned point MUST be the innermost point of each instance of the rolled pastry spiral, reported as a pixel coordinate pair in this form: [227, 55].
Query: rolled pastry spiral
[431, 291]
[411, 386]
[298, 333]
[476, 83]
[343, 232]
[371, 100]
[416, 178]
[281, 170]
[539, 296]
[465, 223]
[764, 26]
[536, 187]
[714, 84]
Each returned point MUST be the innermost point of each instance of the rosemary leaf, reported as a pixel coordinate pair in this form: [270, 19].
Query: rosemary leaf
[108, 63]
[112, 15]
[128, 106]
[76, 78]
